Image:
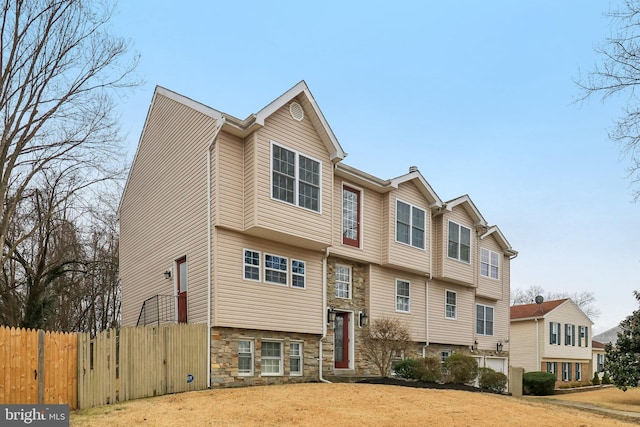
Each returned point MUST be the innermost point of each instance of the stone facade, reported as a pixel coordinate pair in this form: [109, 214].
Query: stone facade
[224, 357]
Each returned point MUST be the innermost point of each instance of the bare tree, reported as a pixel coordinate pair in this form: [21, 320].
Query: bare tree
[383, 338]
[618, 73]
[584, 299]
[59, 70]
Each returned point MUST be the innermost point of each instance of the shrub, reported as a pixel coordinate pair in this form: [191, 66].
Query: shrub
[406, 368]
[428, 369]
[539, 383]
[461, 368]
[381, 339]
[495, 382]
[596, 378]
[606, 379]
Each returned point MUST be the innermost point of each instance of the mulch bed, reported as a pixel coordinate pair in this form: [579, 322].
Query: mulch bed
[420, 384]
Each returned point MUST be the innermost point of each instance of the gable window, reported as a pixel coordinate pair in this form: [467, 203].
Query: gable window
[251, 265]
[297, 274]
[350, 216]
[583, 336]
[489, 263]
[552, 367]
[295, 178]
[569, 334]
[450, 304]
[484, 319]
[295, 358]
[554, 333]
[459, 242]
[343, 281]
[410, 225]
[578, 371]
[402, 296]
[566, 371]
[275, 269]
[245, 358]
[271, 355]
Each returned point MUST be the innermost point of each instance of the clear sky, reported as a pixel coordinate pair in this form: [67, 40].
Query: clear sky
[478, 95]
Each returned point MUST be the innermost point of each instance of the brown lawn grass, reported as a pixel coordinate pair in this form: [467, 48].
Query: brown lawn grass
[324, 404]
[612, 398]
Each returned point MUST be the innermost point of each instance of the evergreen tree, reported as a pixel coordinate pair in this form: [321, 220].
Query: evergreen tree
[623, 360]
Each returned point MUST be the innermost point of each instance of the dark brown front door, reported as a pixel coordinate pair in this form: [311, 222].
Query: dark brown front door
[182, 290]
[341, 341]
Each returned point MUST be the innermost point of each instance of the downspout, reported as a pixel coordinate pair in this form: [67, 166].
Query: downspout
[426, 292]
[209, 244]
[324, 314]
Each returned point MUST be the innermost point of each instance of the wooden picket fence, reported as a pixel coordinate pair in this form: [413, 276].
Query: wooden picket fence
[116, 365]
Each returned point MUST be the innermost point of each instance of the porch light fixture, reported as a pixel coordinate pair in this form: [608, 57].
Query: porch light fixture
[331, 316]
[473, 346]
[167, 274]
[499, 347]
[363, 318]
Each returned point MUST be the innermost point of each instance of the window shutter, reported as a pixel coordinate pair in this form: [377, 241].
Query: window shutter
[566, 334]
[550, 332]
[586, 336]
[573, 335]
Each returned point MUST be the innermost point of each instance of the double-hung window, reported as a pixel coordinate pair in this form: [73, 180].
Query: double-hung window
[251, 265]
[578, 371]
[271, 355]
[552, 367]
[295, 358]
[569, 334]
[350, 216]
[566, 371]
[245, 358]
[297, 274]
[410, 225]
[459, 242]
[295, 178]
[554, 333]
[600, 362]
[489, 263]
[450, 305]
[403, 301]
[583, 336]
[343, 281]
[484, 319]
[275, 269]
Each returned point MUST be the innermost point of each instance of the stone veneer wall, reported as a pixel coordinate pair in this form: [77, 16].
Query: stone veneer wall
[224, 357]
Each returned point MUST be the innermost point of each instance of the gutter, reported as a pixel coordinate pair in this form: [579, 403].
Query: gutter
[324, 314]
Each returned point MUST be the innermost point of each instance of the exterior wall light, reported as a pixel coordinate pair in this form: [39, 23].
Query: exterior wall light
[363, 318]
[499, 347]
[167, 274]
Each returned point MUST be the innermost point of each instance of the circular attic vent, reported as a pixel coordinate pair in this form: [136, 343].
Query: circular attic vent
[296, 111]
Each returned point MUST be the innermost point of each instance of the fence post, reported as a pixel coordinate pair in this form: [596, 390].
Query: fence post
[40, 366]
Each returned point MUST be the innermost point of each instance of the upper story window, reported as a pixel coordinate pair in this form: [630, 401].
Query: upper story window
[410, 224]
[403, 301]
[459, 242]
[583, 336]
[484, 319]
[350, 216]
[569, 334]
[251, 265]
[343, 281]
[275, 269]
[489, 263]
[295, 178]
[554, 333]
[450, 304]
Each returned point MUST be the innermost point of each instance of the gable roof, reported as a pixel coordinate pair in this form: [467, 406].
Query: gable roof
[502, 241]
[531, 311]
[597, 345]
[299, 92]
[467, 204]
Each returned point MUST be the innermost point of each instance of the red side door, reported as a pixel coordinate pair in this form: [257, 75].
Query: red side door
[181, 265]
[341, 341]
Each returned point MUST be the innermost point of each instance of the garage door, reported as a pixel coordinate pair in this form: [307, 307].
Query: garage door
[498, 364]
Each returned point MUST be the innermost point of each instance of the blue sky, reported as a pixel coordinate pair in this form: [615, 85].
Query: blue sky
[479, 96]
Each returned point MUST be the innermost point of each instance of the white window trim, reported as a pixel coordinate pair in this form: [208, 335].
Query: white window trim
[280, 359]
[411, 208]
[578, 371]
[460, 226]
[271, 269]
[455, 317]
[350, 286]
[301, 357]
[403, 296]
[259, 266]
[442, 357]
[489, 265]
[253, 358]
[296, 183]
[304, 275]
[493, 320]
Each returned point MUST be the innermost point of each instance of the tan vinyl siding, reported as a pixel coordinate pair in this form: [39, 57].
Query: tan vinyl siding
[370, 224]
[567, 313]
[522, 341]
[249, 304]
[487, 286]
[163, 214]
[280, 216]
[447, 331]
[501, 311]
[229, 181]
[250, 179]
[401, 254]
[383, 299]
[454, 269]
